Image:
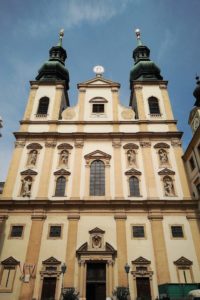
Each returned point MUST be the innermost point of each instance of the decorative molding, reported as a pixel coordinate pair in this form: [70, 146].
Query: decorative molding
[19, 144]
[29, 172]
[163, 86]
[3, 218]
[79, 143]
[98, 100]
[50, 144]
[127, 114]
[166, 171]
[161, 145]
[62, 172]
[85, 250]
[141, 261]
[38, 217]
[176, 143]
[73, 217]
[64, 146]
[120, 216]
[116, 143]
[145, 144]
[97, 154]
[51, 261]
[138, 87]
[182, 261]
[34, 146]
[97, 230]
[69, 113]
[132, 172]
[10, 261]
[155, 217]
[131, 146]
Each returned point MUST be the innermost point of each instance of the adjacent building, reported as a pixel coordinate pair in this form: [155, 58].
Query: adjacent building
[97, 187]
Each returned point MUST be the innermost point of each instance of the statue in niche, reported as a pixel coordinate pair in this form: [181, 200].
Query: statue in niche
[131, 157]
[168, 186]
[26, 187]
[163, 156]
[64, 155]
[96, 241]
[32, 157]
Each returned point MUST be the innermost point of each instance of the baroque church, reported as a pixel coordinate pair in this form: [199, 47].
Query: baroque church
[97, 202]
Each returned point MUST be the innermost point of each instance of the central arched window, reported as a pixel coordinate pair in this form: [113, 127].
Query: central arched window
[43, 106]
[134, 186]
[60, 186]
[154, 108]
[97, 178]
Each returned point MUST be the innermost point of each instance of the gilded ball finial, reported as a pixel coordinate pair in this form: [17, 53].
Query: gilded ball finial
[138, 36]
[61, 33]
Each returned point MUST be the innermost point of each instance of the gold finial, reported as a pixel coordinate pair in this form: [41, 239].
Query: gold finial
[61, 34]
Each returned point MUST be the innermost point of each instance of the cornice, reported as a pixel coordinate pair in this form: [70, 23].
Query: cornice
[146, 206]
[66, 122]
[99, 135]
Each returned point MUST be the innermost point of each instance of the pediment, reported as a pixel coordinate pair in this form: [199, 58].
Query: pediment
[98, 81]
[133, 172]
[130, 146]
[83, 250]
[141, 261]
[29, 172]
[51, 261]
[34, 146]
[166, 171]
[64, 146]
[161, 145]
[62, 172]
[98, 154]
[10, 261]
[97, 230]
[182, 261]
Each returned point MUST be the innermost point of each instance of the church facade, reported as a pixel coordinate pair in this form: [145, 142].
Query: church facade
[97, 187]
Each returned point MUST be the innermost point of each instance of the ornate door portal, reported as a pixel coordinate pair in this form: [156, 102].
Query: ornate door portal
[96, 281]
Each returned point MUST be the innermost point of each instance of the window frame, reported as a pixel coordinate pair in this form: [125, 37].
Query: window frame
[98, 181]
[55, 237]
[183, 237]
[40, 110]
[138, 180]
[10, 236]
[154, 109]
[138, 237]
[55, 193]
[98, 105]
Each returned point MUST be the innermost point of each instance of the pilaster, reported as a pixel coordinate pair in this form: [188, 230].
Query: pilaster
[194, 221]
[56, 106]
[115, 108]
[116, 143]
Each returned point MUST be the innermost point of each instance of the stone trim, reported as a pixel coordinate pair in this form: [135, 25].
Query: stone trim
[182, 261]
[131, 146]
[141, 261]
[62, 172]
[98, 154]
[166, 171]
[10, 261]
[161, 145]
[133, 172]
[51, 261]
[28, 172]
[64, 146]
[34, 146]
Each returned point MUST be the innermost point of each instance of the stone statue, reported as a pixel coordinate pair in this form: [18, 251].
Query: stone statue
[131, 157]
[168, 187]
[64, 155]
[32, 157]
[26, 187]
[163, 156]
[96, 241]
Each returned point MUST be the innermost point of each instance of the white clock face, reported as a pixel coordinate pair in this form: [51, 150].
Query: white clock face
[196, 123]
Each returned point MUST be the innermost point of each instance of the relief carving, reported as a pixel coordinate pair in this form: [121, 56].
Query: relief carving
[168, 186]
[32, 157]
[68, 114]
[26, 187]
[19, 144]
[127, 114]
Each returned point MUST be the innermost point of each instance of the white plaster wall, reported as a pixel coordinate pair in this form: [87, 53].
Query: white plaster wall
[180, 247]
[141, 247]
[149, 91]
[16, 248]
[158, 127]
[23, 166]
[98, 92]
[129, 128]
[51, 247]
[98, 128]
[44, 91]
[38, 128]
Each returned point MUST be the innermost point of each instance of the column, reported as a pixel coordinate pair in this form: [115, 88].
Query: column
[107, 177]
[166, 101]
[13, 170]
[140, 106]
[32, 254]
[46, 170]
[194, 221]
[109, 286]
[76, 180]
[71, 250]
[118, 182]
[82, 279]
[3, 219]
[176, 143]
[160, 252]
[57, 106]
[121, 248]
[115, 108]
[149, 170]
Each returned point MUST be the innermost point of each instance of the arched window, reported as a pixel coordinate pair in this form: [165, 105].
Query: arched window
[134, 186]
[97, 178]
[60, 186]
[43, 106]
[154, 108]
